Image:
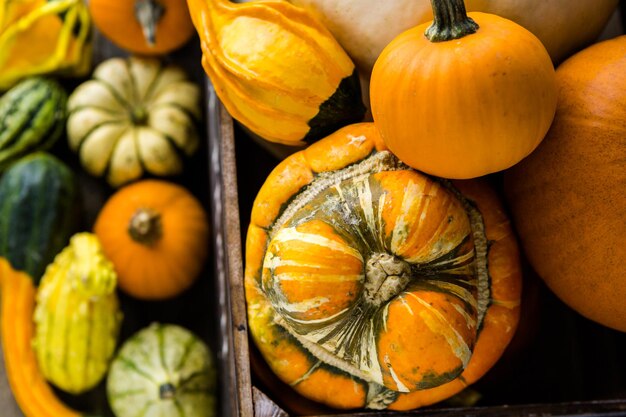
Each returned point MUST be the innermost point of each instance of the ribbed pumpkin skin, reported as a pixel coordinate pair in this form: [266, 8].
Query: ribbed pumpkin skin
[170, 264]
[38, 206]
[466, 107]
[77, 316]
[163, 370]
[567, 198]
[136, 115]
[32, 117]
[277, 69]
[324, 314]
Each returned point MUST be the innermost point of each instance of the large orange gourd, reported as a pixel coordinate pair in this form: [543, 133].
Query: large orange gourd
[367, 278]
[466, 96]
[567, 198]
[156, 234]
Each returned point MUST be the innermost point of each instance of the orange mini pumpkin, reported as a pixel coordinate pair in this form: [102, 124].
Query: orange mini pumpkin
[156, 234]
[366, 277]
[146, 27]
[464, 97]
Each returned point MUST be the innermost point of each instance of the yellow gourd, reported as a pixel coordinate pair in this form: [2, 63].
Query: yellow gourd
[41, 37]
[277, 69]
[77, 316]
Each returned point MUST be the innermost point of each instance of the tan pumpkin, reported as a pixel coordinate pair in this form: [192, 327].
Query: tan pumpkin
[567, 198]
[365, 27]
[347, 255]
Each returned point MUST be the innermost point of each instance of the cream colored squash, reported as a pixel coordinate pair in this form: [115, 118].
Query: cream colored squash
[135, 115]
[365, 27]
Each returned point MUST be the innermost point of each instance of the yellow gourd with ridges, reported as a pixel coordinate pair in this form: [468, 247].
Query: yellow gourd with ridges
[43, 36]
[277, 69]
[77, 316]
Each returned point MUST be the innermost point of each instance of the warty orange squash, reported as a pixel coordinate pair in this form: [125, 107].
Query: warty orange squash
[366, 277]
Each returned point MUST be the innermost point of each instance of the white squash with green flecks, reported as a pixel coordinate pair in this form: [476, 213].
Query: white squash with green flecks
[163, 370]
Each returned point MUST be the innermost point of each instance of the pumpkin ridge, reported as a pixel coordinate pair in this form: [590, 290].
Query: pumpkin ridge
[376, 162]
[147, 98]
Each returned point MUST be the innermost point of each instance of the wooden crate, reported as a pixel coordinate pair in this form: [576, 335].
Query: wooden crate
[586, 378]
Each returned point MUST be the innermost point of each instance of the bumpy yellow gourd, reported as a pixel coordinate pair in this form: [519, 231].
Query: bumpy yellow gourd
[277, 69]
[77, 316]
[43, 36]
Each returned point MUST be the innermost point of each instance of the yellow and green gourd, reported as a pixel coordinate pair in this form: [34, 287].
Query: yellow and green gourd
[77, 316]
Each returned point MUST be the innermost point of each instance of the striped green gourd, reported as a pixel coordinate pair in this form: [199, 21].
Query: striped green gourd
[163, 370]
[32, 117]
[77, 316]
[37, 212]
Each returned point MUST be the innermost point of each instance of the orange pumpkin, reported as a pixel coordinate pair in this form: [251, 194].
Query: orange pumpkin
[146, 27]
[368, 278]
[466, 96]
[567, 198]
[156, 234]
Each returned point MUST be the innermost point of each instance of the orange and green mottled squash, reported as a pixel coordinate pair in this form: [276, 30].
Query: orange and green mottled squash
[366, 277]
[362, 26]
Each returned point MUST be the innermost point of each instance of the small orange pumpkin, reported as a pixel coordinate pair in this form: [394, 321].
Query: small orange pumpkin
[156, 234]
[367, 278]
[465, 96]
[146, 27]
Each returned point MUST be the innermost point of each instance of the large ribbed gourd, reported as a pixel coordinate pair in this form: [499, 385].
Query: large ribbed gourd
[277, 69]
[32, 117]
[367, 278]
[77, 316]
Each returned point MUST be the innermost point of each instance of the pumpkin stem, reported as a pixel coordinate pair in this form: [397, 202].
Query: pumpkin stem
[450, 21]
[386, 277]
[145, 226]
[148, 13]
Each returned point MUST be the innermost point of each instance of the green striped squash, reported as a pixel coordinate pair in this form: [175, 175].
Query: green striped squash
[37, 212]
[32, 117]
[163, 370]
[77, 316]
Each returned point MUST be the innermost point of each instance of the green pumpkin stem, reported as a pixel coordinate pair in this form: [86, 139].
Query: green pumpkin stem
[450, 21]
[148, 13]
[145, 226]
